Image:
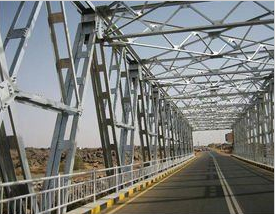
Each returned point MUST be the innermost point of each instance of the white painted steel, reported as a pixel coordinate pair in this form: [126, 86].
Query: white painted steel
[81, 187]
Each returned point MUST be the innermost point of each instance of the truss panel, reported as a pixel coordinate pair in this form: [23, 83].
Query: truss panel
[159, 77]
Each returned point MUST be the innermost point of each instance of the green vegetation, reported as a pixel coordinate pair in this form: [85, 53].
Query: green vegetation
[78, 164]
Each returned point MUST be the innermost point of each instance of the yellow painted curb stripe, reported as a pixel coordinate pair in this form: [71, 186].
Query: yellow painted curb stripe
[96, 210]
[110, 203]
[121, 196]
[140, 194]
[131, 192]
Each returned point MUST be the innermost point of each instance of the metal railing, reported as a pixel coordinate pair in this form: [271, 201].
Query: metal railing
[267, 159]
[68, 189]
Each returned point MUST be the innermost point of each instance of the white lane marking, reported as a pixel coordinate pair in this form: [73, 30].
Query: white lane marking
[235, 202]
[226, 190]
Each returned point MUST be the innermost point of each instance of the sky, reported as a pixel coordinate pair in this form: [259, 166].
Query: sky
[37, 74]
[207, 137]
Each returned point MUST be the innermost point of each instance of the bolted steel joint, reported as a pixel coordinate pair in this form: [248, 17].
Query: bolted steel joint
[6, 92]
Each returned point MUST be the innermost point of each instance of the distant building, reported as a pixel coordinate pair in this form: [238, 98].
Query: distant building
[229, 137]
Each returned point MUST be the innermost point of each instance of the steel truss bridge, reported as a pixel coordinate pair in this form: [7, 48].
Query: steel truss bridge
[161, 69]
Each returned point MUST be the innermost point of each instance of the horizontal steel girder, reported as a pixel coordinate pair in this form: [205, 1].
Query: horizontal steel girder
[147, 61]
[145, 6]
[213, 73]
[209, 122]
[32, 99]
[210, 83]
[210, 118]
[197, 28]
[214, 106]
[212, 95]
[211, 128]
[45, 103]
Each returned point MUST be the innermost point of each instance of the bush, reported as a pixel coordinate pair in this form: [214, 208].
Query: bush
[78, 164]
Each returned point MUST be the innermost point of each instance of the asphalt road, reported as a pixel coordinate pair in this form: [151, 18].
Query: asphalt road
[213, 183]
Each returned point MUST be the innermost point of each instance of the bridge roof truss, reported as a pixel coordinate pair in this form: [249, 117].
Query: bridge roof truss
[201, 62]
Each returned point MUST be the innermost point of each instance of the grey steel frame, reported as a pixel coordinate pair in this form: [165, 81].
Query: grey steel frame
[254, 132]
[83, 186]
[165, 107]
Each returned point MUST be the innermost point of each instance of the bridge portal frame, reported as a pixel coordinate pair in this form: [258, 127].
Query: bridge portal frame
[139, 98]
[165, 130]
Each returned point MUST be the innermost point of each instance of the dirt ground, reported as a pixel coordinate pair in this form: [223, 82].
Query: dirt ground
[86, 159]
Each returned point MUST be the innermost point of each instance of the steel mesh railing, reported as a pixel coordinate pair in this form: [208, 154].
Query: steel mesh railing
[69, 189]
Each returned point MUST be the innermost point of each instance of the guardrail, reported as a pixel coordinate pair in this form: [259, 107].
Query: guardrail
[69, 189]
[260, 159]
[259, 164]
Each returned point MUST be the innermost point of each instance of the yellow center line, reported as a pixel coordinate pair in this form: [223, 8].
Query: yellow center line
[140, 194]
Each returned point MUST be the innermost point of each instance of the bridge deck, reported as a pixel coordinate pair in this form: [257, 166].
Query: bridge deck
[198, 189]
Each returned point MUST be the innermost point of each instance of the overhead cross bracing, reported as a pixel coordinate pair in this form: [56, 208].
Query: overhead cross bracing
[162, 69]
[196, 56]
[167, 60]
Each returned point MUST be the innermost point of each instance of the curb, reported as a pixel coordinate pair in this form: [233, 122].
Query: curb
[261, 165]
[110, 200]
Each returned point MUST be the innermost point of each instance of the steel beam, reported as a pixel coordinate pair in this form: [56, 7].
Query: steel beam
[253, 133]
[129, 89]
[144, 6]
[197, 28]
[214, 95]
[201, 73]
[8, 75]
[148, 61]
[84, 40]
[214, 105]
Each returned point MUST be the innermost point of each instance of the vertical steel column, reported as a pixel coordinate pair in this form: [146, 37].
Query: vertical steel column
[253, 126]
[143, 122]
[129, 106]
[22, 34]
[185, 139]
[262, 125]
[152, 98]
[9, 76]
[248, 134]
[103, 102]
[7, 170]
[116, 94]
[178, 121]
[269, 122]
[76, 67]
[244, 135]
[191, 140]
[170, 129]
[162, 131]
[67, 64]
[252, 132]
[174, 129]
[250, 138]
[82, 53]
[179, 133]
[260, 142]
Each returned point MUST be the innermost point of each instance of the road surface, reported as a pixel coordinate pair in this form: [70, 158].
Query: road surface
[213, 183]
